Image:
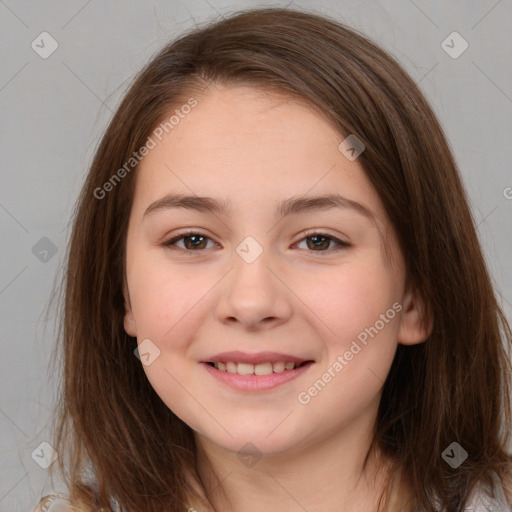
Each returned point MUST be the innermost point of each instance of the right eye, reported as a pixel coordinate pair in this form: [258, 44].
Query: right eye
[193, 241]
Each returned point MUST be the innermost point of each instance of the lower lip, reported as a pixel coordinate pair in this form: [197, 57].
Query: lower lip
[256, 382]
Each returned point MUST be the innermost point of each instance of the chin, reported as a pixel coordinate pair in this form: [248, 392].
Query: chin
[255, 441]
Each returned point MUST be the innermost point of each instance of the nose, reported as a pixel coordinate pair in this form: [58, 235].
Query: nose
[253, 295]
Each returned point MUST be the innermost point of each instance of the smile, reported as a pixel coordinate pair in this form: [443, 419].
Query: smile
[265, 368]
[258, 377]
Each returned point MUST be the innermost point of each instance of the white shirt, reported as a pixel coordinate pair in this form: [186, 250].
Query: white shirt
[479, 501]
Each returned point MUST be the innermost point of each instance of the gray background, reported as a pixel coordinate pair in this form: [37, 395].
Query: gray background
[55, 109]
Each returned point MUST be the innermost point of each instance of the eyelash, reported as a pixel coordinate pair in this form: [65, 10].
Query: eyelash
[310, 234]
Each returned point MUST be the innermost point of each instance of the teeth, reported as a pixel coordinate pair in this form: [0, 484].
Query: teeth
[279, 366]
[266, 368]
[263, 369]
[231, 367]
[245, 369]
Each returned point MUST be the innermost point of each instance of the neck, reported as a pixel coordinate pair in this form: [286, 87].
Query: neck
[322, 476]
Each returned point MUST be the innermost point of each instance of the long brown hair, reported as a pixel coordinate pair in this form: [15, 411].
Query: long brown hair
[116, 437]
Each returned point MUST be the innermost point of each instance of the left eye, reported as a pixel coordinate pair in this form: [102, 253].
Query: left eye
[320, 242]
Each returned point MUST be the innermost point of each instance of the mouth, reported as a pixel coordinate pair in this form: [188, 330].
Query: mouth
[255, 372]
[265, 368]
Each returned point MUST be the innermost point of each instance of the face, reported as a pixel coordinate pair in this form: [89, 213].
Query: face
[264, 314]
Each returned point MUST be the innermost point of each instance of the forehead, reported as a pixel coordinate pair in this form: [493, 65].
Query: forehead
[245, 141]
[230, 120]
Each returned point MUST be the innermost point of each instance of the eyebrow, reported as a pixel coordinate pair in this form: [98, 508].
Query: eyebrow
[290, 206]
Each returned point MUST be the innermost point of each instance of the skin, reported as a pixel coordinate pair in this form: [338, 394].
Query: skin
[257, 149]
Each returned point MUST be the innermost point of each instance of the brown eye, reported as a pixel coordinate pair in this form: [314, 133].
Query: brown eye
[192, 241]
[195, 242]
[321, 242]
[318, 242]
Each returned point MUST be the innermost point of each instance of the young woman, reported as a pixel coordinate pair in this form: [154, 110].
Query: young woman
[275, 296]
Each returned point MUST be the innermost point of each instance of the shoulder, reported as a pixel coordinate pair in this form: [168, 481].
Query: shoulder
[61, 503]
[55, 503]
[482, 499]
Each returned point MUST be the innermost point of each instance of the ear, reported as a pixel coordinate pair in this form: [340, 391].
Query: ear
[415, 327]
[130, 326]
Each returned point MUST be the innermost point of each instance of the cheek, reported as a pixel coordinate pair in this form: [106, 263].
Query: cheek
[169, 306]
[166, 301]
[351, 299]
[359, 332]
[360, 306]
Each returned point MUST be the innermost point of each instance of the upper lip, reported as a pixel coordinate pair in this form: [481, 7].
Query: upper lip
[254, 358]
